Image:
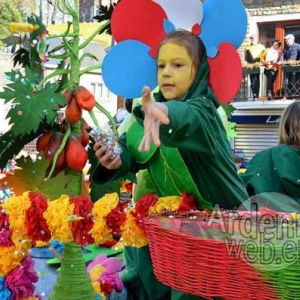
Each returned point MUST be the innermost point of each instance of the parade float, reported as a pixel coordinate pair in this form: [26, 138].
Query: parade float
[47, 198]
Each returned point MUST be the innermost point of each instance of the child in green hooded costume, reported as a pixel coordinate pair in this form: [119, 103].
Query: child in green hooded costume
[276, 170]
[179, 132]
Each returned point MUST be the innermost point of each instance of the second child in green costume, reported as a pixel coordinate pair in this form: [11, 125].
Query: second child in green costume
[180, 131]
[277, 169]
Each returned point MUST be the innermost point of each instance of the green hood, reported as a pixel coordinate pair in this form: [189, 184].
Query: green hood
[275, 170]
[199, 87]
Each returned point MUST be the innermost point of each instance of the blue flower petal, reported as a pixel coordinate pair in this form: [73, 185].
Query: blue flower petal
[211, 51]
[5, 293]
[223, 21]
[168, 26]
[128, 67]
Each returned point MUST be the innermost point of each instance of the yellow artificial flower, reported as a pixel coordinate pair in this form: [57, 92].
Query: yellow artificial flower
[30, 298]
[132, 235]
[118, 246]
[21, 242]
[105, 205]
[169, 203]
[294, 216]
[96, 272]
[10, 258]
[40, 244]
[57, 217]
[15, 207]
[100, 232]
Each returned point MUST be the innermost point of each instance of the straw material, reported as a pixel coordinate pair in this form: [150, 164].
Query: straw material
[73, 282]
[203, 267]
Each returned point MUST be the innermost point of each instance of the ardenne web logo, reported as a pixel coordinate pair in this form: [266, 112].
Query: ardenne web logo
[264, 232]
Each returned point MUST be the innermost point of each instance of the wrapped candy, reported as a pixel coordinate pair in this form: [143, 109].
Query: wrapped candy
[107, 138]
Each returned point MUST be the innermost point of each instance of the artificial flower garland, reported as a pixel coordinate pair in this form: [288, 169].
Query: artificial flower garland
[34, 219]
[30, 219]
[17, 275]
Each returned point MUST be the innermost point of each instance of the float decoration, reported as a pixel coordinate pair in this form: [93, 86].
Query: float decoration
[138, 42]
[38, 106]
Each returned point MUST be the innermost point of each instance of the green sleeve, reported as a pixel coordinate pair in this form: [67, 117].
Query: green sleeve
[192, 125]
[128, 169]
[258, 178]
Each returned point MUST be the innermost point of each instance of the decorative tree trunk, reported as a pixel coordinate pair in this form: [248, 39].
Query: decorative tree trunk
[72, 282]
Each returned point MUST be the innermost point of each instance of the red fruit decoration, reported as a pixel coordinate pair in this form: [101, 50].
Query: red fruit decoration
[84, 136]
[73, 111]
[68, 94]
[43, 140]
[49, 153]
[85, 99]
[76, 156]
[53, 144]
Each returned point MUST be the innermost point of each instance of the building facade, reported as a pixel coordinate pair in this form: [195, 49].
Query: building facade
[257, 121]
[88, 9]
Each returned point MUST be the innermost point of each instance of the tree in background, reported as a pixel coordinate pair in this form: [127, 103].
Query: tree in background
[8, 13]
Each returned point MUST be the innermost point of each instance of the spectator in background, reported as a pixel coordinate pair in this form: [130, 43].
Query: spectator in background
[291, 52]
[252, 55]
[269, 59]
[291, 49]
[238, 160]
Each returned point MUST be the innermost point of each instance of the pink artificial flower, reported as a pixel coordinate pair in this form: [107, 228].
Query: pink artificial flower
[21, 280]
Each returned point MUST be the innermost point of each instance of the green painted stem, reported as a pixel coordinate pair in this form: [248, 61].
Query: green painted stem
[110, 118]
[58, 151]
[73, 282]
[93, 117]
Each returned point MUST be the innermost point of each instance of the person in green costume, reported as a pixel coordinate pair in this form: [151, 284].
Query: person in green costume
[180, 134]
[276, 169]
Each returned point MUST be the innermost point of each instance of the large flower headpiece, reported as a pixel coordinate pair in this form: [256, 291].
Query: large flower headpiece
[138, 26]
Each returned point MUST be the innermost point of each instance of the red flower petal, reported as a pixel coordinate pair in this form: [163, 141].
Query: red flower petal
[140, 20]
[81, 228]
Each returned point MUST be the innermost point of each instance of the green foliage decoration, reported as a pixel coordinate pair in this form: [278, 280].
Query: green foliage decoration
[30, 106]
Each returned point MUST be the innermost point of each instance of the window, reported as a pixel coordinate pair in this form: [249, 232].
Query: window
[84, 13]
[92, 13]
[267, 34]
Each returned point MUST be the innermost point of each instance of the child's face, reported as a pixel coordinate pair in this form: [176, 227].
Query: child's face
[176, 71]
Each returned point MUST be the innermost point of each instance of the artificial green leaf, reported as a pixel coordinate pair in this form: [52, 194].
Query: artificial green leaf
[134, 136]
[143, 186]
[31, 107]
[30, 177]
[229, 109]
[231, 133]
[168, 170]
[171, 176]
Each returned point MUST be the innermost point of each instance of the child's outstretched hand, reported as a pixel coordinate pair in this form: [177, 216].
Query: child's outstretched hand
[155, 115]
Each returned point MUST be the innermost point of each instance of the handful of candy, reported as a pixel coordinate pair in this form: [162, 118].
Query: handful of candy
[107, 138]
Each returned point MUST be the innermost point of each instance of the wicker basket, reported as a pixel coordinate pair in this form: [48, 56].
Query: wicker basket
[207, 267]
